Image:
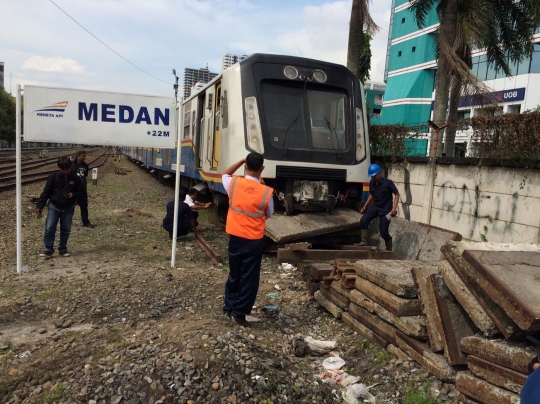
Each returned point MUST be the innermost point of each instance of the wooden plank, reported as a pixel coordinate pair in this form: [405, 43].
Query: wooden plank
[511, 278]
[453, 253]
[435, 363]
[428, 305]
[496, 374]
[364, 331]
[452, 322]
[373, 322]
[294, 257]
[397, 305]
[339, 300]
[320, 270]
[328, 305]
[392, 275]
[313, 286]
[508, 354]
[466, 299]
[483, 391]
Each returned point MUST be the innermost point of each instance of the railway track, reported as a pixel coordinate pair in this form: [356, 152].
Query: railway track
[9, 182]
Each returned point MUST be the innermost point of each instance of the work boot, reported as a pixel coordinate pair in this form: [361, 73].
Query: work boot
[388, 243]
[364, 236]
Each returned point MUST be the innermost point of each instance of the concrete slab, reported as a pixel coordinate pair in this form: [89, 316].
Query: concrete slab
[295, 257]
[319, 270]
[339, 300]
[483, 391]
[415, 326]
[467, 300]
[395, 304]
[283, 229]
[419, 351]
[513, 280]
[328, 305]
[512, 355]
[413, 240]
[454, 324]
[363, 331]
[373, 322]
[453, 252]
[496, 374]
[427, 303]
[392, 275]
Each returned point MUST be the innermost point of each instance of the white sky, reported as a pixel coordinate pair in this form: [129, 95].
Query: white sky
[40, 45]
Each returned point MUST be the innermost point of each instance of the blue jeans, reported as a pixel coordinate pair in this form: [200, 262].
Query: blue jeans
[384, 223]
[242, 285]
[53, 216]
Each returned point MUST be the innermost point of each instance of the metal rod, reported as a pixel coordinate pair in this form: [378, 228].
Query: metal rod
[18, 179]
[180, 122]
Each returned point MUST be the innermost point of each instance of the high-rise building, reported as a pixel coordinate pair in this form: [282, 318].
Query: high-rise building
[192, 76]
[228, 60]
[374, 97]
[2, 74]
[411, 67]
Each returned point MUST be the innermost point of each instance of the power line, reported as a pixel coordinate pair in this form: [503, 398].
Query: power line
[134, 65]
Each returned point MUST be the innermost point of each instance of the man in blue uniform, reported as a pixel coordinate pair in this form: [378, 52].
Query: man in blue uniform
[380, 193]
[186, 222]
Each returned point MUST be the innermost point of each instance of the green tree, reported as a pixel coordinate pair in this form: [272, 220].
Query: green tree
[361, 29]
[502, 28]
[7, 117]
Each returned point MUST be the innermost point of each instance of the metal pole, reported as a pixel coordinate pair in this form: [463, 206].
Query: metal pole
[18, 199]
[180, 121]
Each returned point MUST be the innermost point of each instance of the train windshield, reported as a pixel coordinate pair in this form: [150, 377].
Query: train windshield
[305, 118]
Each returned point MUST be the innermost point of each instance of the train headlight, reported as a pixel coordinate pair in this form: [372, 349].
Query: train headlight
[319, 76]
[290, 72]
[360, 138]
[253, 126]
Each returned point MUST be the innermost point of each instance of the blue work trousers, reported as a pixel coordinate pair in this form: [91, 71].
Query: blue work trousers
[53, 216]
[384, 223]
[242, 285]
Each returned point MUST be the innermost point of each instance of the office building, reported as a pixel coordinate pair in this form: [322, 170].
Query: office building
[410, 76]
[374, 97]
[229, 60]
[193, 76]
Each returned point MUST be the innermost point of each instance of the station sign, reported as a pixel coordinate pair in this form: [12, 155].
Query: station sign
[98, 118]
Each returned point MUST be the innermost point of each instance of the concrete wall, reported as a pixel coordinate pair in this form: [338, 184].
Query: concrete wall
[482, 203]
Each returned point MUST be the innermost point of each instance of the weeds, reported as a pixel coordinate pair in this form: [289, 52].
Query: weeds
[55, 394]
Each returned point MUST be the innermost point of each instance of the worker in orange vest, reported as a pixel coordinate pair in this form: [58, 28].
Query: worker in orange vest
[250, 204]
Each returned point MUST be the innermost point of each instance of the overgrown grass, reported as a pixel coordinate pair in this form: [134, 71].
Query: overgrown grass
[420, 396]
[55, 394]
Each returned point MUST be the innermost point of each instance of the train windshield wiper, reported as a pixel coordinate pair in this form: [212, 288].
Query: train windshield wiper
[333, 132]
[284, 145]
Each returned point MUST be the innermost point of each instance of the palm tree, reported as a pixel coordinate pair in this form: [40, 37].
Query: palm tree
[361, 28]
[503, 28]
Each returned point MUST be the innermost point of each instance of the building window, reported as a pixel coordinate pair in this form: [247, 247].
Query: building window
[399, 53]
[414, 48]
[403, 20]
[513, 109]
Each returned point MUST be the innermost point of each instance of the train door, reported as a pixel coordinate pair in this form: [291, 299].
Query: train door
[199, 131]
[209, 125]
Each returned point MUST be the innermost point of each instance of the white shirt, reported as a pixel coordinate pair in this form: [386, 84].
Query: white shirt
[189, 200]
[226, 180]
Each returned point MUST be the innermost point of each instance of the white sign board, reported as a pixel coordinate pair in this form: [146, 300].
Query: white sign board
[94, 173]
[91, 117]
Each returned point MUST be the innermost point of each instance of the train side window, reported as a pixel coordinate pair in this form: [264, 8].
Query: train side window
[225, 109]
[193, 123]
[187, 124]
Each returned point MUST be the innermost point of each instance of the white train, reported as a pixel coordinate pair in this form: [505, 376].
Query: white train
[307, 117]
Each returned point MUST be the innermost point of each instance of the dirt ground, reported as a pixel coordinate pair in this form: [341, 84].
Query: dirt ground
[114, 323]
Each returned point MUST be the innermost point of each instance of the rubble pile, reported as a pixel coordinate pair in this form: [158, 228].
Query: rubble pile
[468, 318]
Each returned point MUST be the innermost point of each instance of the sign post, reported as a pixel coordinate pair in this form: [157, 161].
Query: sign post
[177, 182]
[94, 176]
[18, 198]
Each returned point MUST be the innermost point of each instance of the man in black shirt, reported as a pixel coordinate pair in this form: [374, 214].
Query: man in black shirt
[186, 222]
[380, 193]
[61, 192]
[80, 168]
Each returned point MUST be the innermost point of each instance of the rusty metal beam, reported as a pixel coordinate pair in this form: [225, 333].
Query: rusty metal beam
[208, 249]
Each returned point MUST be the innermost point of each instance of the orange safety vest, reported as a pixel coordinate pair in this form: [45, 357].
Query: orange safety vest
[248, 201]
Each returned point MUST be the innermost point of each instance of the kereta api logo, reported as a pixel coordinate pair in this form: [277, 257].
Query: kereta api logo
[53, 111]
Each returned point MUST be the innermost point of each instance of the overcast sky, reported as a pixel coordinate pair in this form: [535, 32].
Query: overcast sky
[41, 45]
